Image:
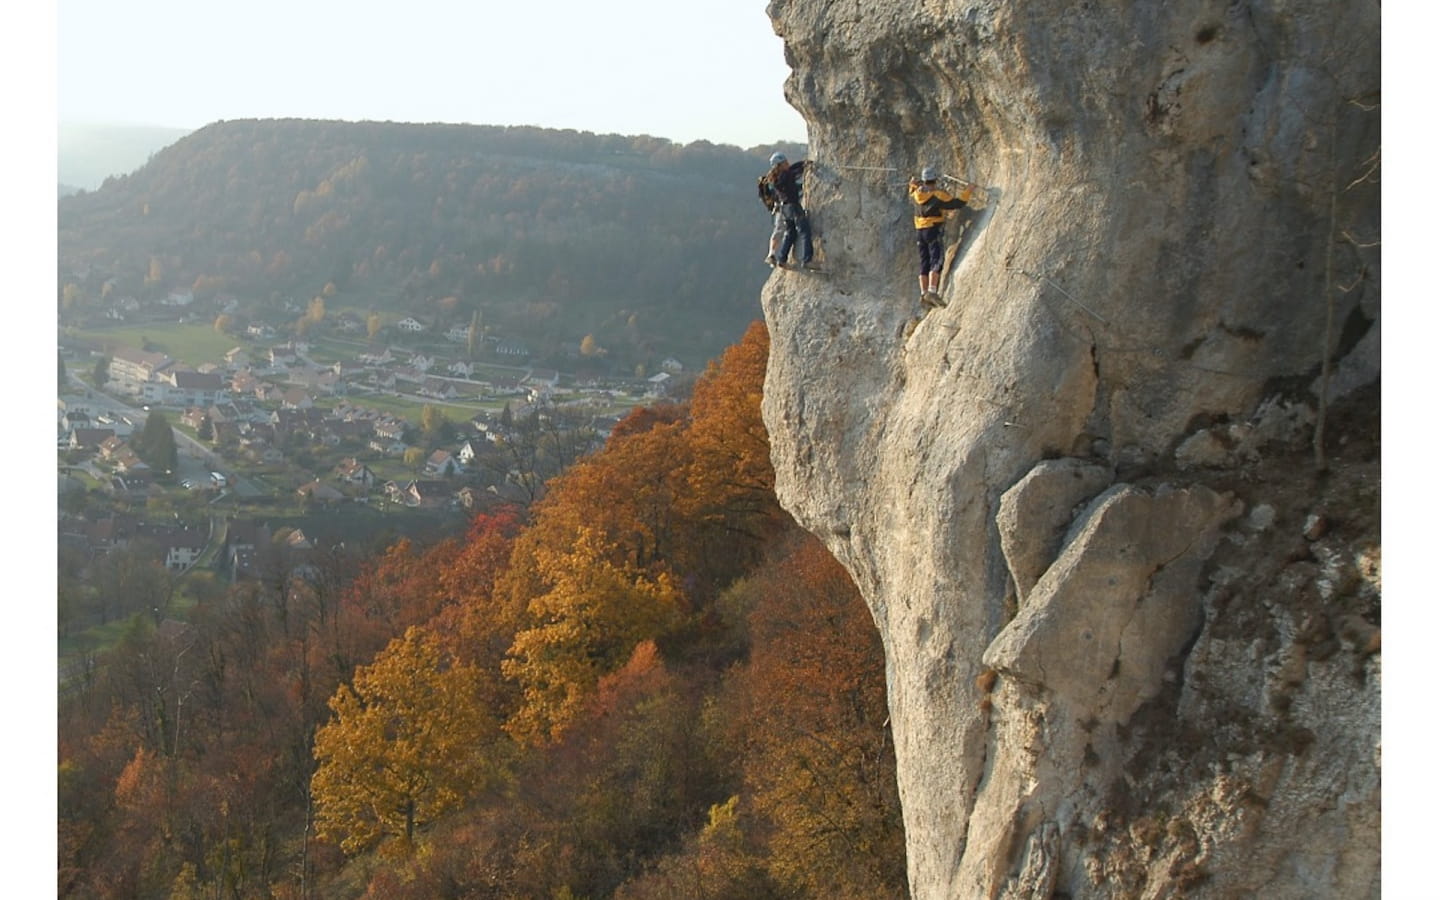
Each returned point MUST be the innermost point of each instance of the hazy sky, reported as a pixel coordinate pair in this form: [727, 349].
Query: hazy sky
[686, 70]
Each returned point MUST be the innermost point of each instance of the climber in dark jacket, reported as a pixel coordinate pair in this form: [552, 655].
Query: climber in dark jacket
[931, 202]
[780, 189]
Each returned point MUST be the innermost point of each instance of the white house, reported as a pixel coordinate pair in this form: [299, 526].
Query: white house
[409, 324]
[441, 464]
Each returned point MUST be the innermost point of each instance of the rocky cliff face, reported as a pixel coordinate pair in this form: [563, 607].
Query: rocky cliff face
[1130, 607]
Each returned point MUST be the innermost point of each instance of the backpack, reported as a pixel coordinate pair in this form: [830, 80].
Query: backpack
[767, 192]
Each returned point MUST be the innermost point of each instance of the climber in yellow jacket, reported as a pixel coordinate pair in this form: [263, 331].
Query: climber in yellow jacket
[931, 202]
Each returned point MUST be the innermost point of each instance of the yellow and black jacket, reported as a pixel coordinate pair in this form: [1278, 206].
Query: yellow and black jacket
[931, 203]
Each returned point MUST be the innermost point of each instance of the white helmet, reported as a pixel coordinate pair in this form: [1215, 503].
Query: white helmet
[777, 158]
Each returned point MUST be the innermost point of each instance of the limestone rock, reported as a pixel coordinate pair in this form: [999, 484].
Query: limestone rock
[1180, 208]
[1118, 603]
[1035, 514]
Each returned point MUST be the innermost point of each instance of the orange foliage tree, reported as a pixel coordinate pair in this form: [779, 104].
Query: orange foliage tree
[812, 717]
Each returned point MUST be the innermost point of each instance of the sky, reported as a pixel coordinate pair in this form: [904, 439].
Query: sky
[694, 70]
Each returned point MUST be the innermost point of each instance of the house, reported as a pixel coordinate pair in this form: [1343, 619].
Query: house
[290, 420]
[353, 471]
[179, 546]
[129, 464]
[259, 449]
[459, 334]
[442, 465]
[511, 348]
[224, 413]
[383, 358]
[244, 382]
[468, 453]
[410, 325]
[111, 447]
[471, 497]
[320, 492]
[73, 420]
[108, 533]
[237, 358]
[422, 363]
[193, 416]
[390, 428]
[89, 438]
[186, 387]
[321, 381]
[244, 538]
[657, 385]
[435, 387]
[131, 369]
[419, 494]
[672, 365]
[388, 447]
[296, 398]
[461, 370]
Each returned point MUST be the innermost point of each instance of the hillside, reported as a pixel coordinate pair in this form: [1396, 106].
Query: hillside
[648, 246]
[1115, 505]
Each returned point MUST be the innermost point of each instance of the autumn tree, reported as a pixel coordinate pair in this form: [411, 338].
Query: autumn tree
[435, 426]
[409, 742]
[812, 718]
[729, 497]
[584, 623]
[636, 768]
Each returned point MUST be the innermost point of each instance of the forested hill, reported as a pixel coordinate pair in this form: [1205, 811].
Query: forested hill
[550, 235]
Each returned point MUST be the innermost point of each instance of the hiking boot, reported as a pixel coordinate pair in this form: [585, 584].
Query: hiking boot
[771, 261]
[925, 300]
[936, 301]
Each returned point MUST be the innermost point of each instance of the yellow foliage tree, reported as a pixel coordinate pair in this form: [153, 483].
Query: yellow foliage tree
[408, 743]
[583, 625]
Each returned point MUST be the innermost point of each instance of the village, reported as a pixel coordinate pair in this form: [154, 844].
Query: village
[305, 442]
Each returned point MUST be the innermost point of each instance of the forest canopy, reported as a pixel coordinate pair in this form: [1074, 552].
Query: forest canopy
[649, 684]
[547, 235]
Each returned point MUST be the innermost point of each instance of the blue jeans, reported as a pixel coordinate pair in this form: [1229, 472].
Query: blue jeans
[931, 243]
[792, 222]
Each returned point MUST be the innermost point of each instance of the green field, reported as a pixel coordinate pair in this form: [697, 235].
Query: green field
[193, 344]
